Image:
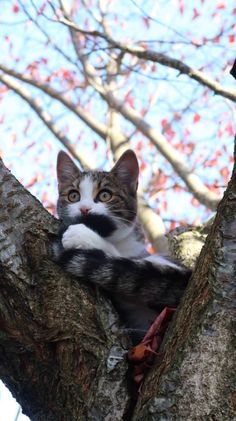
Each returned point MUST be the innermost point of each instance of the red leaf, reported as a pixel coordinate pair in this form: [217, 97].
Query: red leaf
[129, 99]
[195, 13]
[164, 123]
[225, 173]
[158, 323]
[181, 6]
[143, 165]
[173, 225]
[15, 7]
[229, 129]
[221, 5]
[177, 188]
[146, 21]
[231, 38]
[194, 202]
[196, 118]
[142, 354]
[41, 9]
[209, 163]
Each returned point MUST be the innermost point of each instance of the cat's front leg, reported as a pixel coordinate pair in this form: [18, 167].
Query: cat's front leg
[81, 237]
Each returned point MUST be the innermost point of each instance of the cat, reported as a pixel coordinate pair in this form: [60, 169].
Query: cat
[101, 242]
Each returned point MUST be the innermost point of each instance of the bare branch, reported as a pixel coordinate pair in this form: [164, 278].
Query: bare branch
[193, 182]
[195, 185]
[45, 117]
[86, 117]
[163, 59]
[154, 226]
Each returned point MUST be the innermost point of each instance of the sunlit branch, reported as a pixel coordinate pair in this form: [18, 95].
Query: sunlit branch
[86, 117]
[49, 39]
[150, 55]
[193, 182]
[45, 117]
[153, 224]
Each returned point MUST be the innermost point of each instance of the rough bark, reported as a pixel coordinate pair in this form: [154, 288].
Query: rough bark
[61, 351]
[195, 379]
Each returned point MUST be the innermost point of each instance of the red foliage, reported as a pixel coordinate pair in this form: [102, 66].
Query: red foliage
[194, 202]
[221, 5]
[142, 355]
[159, 181]
[196, 118]
[181, 6]
[15, 7]
[225, 173]
[42, 8]
[143, 165]
[167, 129]
[129, 99]
[195, 13]
[146, 21]
[173, 225]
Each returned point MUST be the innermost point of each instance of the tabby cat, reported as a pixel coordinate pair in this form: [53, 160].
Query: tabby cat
[101, 242]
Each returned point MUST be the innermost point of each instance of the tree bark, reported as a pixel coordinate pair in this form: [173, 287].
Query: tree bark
[61, 353]
[61, 350]
[195, 379]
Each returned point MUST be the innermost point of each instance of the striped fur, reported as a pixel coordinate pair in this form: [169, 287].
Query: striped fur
[102, 243]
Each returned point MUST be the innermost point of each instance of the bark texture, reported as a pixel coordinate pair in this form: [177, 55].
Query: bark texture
[196, 378]
[61, 350]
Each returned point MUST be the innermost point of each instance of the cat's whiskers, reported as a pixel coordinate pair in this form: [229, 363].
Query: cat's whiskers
[121, 218]
[123, 210]
[118, 218]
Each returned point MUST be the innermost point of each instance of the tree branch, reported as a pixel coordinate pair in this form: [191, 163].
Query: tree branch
[45, 117]
[60, 351]
[150, 55]
[118, 140]
[195, 379]
[193, 182]
[83, 115]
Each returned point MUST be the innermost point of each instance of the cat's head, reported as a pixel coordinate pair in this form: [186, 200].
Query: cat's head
[112, 194]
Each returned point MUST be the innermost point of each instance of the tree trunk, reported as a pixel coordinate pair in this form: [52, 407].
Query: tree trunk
[195, 379]
[61, 351]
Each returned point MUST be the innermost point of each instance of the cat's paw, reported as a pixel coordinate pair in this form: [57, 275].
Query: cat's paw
[81, 237]
[77, 236]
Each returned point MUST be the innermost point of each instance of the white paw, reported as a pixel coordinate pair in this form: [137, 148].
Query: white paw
[81, 237]
[77, 236]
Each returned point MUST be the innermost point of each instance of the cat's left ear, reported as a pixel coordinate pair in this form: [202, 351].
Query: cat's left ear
[127, 170]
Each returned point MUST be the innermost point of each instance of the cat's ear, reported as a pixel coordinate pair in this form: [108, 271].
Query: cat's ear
[127, 170]
[66, 168]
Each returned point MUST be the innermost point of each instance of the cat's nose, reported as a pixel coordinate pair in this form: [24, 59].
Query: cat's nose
[84, 211]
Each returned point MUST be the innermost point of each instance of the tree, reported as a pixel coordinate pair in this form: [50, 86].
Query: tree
[55, 360]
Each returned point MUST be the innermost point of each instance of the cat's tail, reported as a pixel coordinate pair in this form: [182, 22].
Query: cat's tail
[148, 282]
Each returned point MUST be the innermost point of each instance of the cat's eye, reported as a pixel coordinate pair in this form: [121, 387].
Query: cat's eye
[104, 195]
[73, 196]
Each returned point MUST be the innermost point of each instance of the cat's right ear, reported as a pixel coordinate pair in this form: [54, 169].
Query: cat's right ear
[127, 170]
[66, 168]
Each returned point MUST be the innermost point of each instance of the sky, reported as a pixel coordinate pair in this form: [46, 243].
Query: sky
[25, 143]
[30, 151]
